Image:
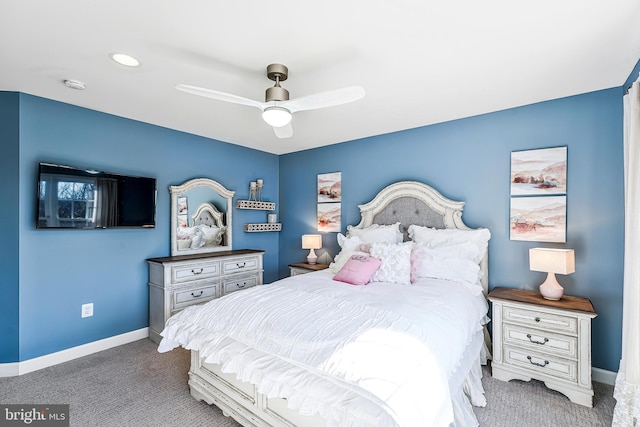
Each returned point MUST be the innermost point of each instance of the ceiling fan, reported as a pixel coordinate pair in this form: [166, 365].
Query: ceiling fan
[277, 108]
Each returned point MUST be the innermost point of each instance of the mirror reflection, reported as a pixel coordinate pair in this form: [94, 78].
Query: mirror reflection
[201, 217]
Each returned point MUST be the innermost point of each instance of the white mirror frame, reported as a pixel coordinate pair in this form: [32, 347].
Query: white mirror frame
[179, 190]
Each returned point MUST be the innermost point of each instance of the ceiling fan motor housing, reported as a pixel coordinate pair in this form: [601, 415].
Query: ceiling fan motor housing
[278, 73]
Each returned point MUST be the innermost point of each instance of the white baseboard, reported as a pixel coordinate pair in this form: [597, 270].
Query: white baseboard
[603, 376]
[26, 366]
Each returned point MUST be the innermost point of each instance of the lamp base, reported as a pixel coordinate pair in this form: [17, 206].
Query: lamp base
[312, 258]
[551, 289]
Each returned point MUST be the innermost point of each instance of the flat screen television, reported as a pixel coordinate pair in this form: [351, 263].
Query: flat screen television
[70, 197]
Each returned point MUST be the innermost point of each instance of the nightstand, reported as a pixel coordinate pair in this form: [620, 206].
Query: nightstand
[545, 340]
[303, 267]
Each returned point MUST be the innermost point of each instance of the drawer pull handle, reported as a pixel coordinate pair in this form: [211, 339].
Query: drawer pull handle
[241, 286]
[244, 264]
[537, 319]
[197, 296]
[537, 342]
[197, 272]
[542, 365]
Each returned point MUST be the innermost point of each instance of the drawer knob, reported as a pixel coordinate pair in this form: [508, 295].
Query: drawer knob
[199, 295]
[537, 319]
[241, 266]
[537, 342]
[542, 365]
[241, 286]
[193, 271]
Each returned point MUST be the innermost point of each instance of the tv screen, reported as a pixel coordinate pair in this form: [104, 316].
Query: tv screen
[70, 197]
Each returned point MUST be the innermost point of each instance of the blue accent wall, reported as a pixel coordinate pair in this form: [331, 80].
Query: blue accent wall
[469, 160]
[54, 272]
[9, 214]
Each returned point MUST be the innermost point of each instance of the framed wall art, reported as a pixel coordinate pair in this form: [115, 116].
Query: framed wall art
[330, 187]
[540, 172]
[539, 219]
[329, 217]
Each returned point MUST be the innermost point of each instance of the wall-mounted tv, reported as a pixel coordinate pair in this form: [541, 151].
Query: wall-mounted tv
[70, 197]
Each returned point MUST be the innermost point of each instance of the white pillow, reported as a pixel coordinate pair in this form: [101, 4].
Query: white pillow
[197, 238]
[432, 238]
[396, 262]
[212, 235]
[377, 233]
[349, 246]
[445, 263]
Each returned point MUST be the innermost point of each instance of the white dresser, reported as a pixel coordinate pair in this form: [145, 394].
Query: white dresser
[542, 339]
[177, 282]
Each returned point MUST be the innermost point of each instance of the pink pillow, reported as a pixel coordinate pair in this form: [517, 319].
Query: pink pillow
[358, 270]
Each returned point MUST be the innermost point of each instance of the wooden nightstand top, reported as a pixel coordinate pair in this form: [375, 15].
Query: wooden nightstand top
[313, 267]
[529, 297]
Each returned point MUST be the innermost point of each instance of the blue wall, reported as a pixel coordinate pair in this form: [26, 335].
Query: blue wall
[59, 270]
[469, 160]
[9, 214]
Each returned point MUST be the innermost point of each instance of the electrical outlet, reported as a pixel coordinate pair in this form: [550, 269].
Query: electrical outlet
[87, 310]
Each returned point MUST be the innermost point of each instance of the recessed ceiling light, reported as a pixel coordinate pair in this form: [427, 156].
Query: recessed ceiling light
[75, 84]
[126, 60]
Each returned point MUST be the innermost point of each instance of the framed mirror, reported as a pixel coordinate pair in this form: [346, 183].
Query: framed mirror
[201, 217]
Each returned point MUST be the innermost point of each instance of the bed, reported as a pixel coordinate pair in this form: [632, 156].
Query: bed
[208, 229]
[313, 350]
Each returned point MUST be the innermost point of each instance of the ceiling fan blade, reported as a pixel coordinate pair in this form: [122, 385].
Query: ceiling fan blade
[220, 96]
[325, 99]
[285, 131]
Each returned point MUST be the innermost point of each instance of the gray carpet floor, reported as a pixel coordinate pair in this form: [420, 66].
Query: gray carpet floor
[134, 385]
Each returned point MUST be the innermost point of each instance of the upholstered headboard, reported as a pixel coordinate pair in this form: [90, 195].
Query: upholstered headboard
[411, 202]
[207, 214]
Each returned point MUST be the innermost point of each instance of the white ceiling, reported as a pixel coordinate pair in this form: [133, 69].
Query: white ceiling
[420, 61]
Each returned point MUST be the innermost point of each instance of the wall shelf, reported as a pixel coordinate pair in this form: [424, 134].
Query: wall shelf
[252, 228]
[253, 204]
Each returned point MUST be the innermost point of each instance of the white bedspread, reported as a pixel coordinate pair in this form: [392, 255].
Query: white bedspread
[374, 355]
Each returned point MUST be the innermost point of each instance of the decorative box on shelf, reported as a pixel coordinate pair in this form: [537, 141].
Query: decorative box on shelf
[254, 204]
[251, 228]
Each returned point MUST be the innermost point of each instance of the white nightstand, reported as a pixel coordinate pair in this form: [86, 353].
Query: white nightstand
[303, 267]
[542, 339]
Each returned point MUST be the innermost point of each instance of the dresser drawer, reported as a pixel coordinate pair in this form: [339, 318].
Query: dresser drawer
[540, 340]
[194, 295]
[239, 283]
[540, 319]
[240, 265]
[195, 271]
[542, 363]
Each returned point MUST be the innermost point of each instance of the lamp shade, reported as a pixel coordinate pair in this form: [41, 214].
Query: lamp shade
[311, 241]
[552, 261]
[549, 260]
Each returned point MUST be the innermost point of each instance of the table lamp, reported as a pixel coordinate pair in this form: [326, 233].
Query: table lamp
[552, 261]
[311, 241]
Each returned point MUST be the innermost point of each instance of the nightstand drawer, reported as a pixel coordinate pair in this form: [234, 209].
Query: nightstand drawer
[543, 363]
[239, 284]
[539, 340]
[540, 319]
[240, 265]
[195, 271]
[194, 295]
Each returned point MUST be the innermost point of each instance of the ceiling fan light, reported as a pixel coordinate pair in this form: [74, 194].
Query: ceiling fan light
[276, 116]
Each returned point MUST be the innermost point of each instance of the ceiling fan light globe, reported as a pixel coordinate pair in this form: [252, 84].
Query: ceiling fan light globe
[276, 116]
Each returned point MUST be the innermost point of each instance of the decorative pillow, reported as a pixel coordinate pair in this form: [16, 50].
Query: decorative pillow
[197, 238]
[444, 263]
[377, 233]
[358, 270]
[184, 244]
[212, 235]
[395, 266]
[432, 238]
[349, 246]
